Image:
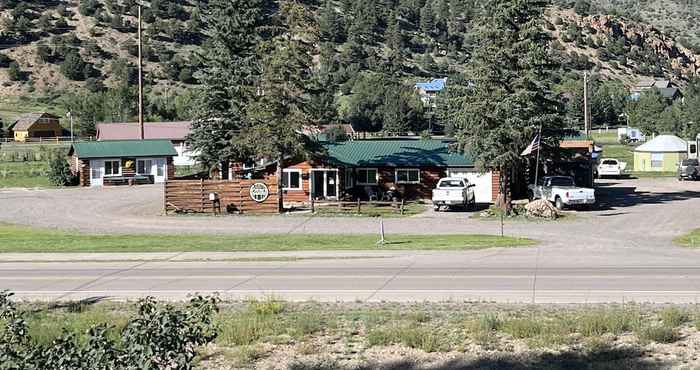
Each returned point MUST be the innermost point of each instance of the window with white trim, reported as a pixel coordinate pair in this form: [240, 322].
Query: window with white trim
[291, 179]
[657, 160]
[367, 176]
[407, 176]
[113, 168]
[143, 166]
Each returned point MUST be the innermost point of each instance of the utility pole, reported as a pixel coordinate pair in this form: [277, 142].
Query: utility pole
[586, 118]
[140, 80]
[70, 117]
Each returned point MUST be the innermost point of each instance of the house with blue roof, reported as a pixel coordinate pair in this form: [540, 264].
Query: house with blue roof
[428, 90]
[366, 169]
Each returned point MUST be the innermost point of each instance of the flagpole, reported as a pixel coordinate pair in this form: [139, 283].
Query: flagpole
[537, 161]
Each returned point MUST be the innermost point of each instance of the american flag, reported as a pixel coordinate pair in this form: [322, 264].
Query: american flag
[534, 145]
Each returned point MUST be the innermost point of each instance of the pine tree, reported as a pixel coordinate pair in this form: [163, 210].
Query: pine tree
[283, 109]
[512, 73]
[229, 76]
[427, 18]
[330, 24]
[394, 37]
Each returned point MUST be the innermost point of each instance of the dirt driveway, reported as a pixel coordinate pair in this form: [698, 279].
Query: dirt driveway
[633, 213]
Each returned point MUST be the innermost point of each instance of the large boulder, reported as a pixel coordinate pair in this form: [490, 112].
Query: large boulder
[542, 208]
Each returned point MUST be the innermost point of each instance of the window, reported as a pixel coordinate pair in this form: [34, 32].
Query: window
[657, 160]
[408, 176]
[291, 180]
[451, 184]
[563, 181]
[367, 176]
[143, 166]
[113, 168]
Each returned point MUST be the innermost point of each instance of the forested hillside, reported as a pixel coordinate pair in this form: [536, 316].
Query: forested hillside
[81, 55]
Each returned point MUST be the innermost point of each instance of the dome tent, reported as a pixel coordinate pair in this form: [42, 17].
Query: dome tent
[662, 154]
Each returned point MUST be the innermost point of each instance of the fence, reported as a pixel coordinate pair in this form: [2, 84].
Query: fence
[217, 196]
[398, 207]
[46, 140]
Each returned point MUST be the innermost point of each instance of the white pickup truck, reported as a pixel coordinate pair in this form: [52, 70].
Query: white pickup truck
[562, 191]
[611, 167]
[453, 192]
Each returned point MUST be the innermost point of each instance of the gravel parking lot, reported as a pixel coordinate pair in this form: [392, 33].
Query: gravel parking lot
[640, 213]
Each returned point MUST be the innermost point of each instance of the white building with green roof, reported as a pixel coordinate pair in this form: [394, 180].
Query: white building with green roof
[123, 162]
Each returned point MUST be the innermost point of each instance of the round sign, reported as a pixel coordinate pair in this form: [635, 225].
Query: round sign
[259, 192]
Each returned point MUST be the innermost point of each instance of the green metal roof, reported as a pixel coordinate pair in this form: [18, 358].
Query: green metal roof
[396, 153]
[123, 148]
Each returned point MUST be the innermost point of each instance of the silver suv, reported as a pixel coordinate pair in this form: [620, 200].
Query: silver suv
[688, 169]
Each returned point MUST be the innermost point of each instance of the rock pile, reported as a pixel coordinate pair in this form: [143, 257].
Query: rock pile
[542, 208]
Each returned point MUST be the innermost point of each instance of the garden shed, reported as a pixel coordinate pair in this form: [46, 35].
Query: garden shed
[662, 154]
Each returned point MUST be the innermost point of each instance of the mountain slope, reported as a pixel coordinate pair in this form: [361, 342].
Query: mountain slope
[86, 45]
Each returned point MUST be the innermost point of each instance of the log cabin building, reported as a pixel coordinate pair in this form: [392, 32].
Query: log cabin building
[367, 169]
[122, 162]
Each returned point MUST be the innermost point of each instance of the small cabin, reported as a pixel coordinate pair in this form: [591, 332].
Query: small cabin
[123, 162]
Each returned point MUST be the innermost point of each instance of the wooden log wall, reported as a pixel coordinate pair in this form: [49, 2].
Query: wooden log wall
[192, 196]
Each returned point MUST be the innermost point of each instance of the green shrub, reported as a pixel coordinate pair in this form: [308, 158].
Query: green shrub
[14, 73]
[523, 328]
[60, 173]
[157, 337]
[269, 306]
[413, 336]
[657, 333]
[245, 328]
[673, 317]
[617, 321]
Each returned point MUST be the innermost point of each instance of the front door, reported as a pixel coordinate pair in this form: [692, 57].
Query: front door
[160, 170]
[324, 184]
[97, 172]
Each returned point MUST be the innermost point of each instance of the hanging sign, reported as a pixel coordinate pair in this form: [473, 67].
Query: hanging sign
[259, 192]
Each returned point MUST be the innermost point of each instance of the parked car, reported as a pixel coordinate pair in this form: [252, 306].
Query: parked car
[453, 192]
[688, 169]
[611, 167]
[562, 191]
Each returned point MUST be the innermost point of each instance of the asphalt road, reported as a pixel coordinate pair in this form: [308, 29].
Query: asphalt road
[532, 275]
[622, 251]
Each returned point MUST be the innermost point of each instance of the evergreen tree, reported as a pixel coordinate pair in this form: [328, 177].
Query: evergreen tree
[229, 76]
[330, 24]
[394, 37]
[14, 73]
[73, 66]
[645, 113]
[427, 18]
[283, 108]
[512, 73]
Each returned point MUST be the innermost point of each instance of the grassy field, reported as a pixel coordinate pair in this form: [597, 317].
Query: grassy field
[690, 240]
[23, 174]
[12, 107]
[270, 333]
[25, 239]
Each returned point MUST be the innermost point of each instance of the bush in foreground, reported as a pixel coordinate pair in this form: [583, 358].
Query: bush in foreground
[60, 173]
[158, 337]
